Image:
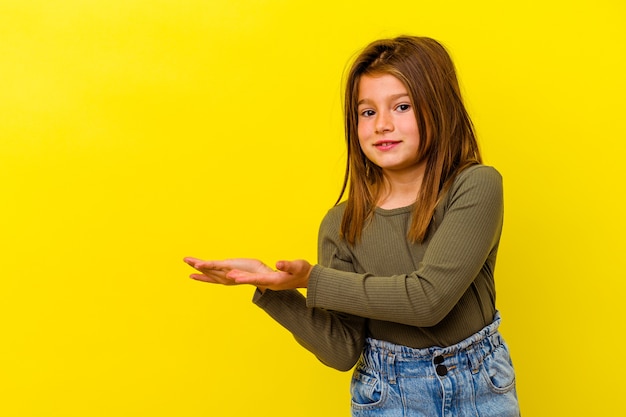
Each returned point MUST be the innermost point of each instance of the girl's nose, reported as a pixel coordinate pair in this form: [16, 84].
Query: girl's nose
[383, 122]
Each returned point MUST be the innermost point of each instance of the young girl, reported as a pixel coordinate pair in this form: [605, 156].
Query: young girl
[404, 285]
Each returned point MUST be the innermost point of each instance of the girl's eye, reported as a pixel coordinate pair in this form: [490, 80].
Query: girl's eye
[403, 107]
[367, 113]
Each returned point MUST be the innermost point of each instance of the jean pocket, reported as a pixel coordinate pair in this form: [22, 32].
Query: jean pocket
[497, 370]
[367, 388]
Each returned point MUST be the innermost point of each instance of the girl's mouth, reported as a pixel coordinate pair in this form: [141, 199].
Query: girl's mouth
[384, 145]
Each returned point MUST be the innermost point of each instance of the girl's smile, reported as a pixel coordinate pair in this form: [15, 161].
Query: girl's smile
[385, 145]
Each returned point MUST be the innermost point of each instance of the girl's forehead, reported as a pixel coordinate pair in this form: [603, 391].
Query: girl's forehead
[380, 84]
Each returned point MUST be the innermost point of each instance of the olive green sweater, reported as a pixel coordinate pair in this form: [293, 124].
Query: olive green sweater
[436, 293]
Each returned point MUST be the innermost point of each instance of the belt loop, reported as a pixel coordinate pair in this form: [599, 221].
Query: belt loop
[475, 356]
[390, 360]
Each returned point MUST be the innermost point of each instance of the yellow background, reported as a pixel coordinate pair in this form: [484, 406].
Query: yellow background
[136, 132]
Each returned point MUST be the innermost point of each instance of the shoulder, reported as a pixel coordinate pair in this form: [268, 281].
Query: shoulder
[478, 177]
[479, 174]
[331, 246]
[332, 220]
[477, 183]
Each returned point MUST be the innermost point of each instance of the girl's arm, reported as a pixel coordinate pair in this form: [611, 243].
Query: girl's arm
[336, 338]
[463, 245]
[467, 236]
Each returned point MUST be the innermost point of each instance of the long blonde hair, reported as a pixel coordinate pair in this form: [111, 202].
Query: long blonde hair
[447, 139]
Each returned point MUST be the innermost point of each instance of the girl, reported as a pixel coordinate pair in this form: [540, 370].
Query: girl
[404, 285]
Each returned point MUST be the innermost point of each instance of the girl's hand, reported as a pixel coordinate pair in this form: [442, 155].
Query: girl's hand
[216, 272]
[290, 275]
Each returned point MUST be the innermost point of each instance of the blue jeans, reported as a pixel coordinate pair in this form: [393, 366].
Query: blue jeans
[472, 378]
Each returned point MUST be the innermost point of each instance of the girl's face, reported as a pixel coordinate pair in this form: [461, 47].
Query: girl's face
[387, 128]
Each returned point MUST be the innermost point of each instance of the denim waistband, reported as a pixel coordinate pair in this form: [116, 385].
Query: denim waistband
[382, 354]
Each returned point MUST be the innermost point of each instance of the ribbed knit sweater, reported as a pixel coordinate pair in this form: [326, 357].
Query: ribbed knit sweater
[434, 293]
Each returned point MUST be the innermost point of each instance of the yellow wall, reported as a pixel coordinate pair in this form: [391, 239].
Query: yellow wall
[136, 132]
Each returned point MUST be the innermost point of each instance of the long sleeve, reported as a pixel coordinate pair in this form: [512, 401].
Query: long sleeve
[433, 293]
[335, 338]
[463, 244]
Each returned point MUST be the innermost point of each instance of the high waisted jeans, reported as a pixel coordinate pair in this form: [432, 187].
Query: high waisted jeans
[472, 378]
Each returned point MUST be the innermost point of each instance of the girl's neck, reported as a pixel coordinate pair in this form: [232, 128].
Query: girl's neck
[399, 190]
